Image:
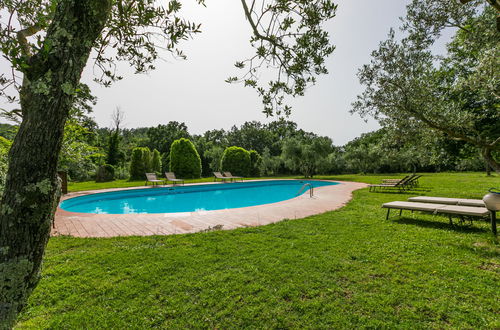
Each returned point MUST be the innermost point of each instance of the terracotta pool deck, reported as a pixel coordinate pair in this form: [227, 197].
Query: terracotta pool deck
[325, 199]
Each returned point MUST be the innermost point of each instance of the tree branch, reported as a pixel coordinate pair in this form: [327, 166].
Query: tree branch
[494, 3]
[255, 30]
[22, 37]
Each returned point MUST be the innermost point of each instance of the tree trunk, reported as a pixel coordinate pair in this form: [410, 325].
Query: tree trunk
[487, 167]
[31, 190]
[488, 157]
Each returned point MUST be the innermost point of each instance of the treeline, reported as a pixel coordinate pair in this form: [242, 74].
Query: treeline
[277, 148]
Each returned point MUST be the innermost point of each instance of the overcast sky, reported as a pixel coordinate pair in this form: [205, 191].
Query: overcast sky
[194, 91]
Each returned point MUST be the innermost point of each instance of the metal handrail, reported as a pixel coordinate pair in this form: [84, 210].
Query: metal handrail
[311, 190]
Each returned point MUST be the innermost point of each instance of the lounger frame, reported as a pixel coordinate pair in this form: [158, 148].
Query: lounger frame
[463, 212]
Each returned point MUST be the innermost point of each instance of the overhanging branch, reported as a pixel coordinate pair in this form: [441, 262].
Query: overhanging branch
[22, 37]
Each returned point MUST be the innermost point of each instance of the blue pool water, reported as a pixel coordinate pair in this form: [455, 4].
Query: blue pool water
[189, 198]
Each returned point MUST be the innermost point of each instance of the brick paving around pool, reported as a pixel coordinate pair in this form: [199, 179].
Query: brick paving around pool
[325, 199]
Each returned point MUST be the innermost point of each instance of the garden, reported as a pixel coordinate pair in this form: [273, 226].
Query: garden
[431, 87]
[342, 269]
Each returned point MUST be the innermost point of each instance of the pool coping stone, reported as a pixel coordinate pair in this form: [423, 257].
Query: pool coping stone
[326, 198]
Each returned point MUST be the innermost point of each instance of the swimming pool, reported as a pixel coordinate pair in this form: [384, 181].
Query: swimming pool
[193, 198]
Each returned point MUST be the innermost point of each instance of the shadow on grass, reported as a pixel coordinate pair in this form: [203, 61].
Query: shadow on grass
[439, 225]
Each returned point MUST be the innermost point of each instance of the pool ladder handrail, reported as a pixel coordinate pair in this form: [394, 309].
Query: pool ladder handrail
[311, 190]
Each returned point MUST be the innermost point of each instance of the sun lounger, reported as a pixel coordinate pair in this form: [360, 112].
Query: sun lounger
[151, 177]
[170, 177]
[391, 181]
[445, 200]
[409, 180]
[218, 175]
[229, 175]
[400, 185]
[413, 181]
[463, 212]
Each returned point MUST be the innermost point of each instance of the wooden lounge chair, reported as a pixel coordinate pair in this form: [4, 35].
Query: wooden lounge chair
[170, 177]
[233, 178]
[413, 181]
[448, 201]
[463, 212]
[400, 185]
[391, 181]
[151, 177]
[218, 175]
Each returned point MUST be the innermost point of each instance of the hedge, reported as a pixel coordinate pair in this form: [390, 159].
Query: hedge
[185, 161]
[156, 162]
[236, 160]
[140, 163]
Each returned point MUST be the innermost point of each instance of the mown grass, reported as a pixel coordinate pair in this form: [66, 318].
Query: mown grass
[348, 268]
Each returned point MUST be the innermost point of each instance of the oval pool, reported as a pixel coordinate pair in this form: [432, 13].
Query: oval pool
[191, 198]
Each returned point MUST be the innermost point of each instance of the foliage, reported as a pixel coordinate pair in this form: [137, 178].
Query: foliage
[270, 165]
[146, 159]
[403, 273]
[156, 161]
[306, 155]
[78, 156]
[287, 36]
[255, 163]
[105, 173]
[456, 95]
[8, 131]
[214, 156]
[236, 160]
[161, 137]
[251, 135]
[139, 164]
[184, 159]
[48, 43]
[114, 155]
[4, 159]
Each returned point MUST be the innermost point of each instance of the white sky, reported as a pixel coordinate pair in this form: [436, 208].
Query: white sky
[194, 91]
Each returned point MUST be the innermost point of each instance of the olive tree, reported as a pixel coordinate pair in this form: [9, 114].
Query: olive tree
[306, 155]
[456, 95]
[48, 44]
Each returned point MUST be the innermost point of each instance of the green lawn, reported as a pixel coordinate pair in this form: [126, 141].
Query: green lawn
[348, 268]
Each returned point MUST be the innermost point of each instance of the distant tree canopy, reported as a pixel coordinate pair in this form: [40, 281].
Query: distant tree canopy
[161, 137]
[409, 88]
[306, 155]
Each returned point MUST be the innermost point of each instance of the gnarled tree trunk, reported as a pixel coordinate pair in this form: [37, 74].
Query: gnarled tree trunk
[490, 161]
[31, 190]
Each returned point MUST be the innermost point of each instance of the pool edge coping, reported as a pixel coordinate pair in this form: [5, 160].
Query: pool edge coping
[92, 225]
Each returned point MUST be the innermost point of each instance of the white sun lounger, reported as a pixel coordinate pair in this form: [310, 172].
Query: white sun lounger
[446, 200]
[443, 209]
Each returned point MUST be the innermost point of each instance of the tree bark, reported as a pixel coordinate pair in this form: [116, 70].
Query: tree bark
[490, 161]
[31, 190]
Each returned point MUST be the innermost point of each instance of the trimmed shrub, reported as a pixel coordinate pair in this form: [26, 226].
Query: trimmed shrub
[156, 162]
[255, 163]
[236, 160]
[105, 173]
[139, 164]
[146, 159]
[185, 161]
